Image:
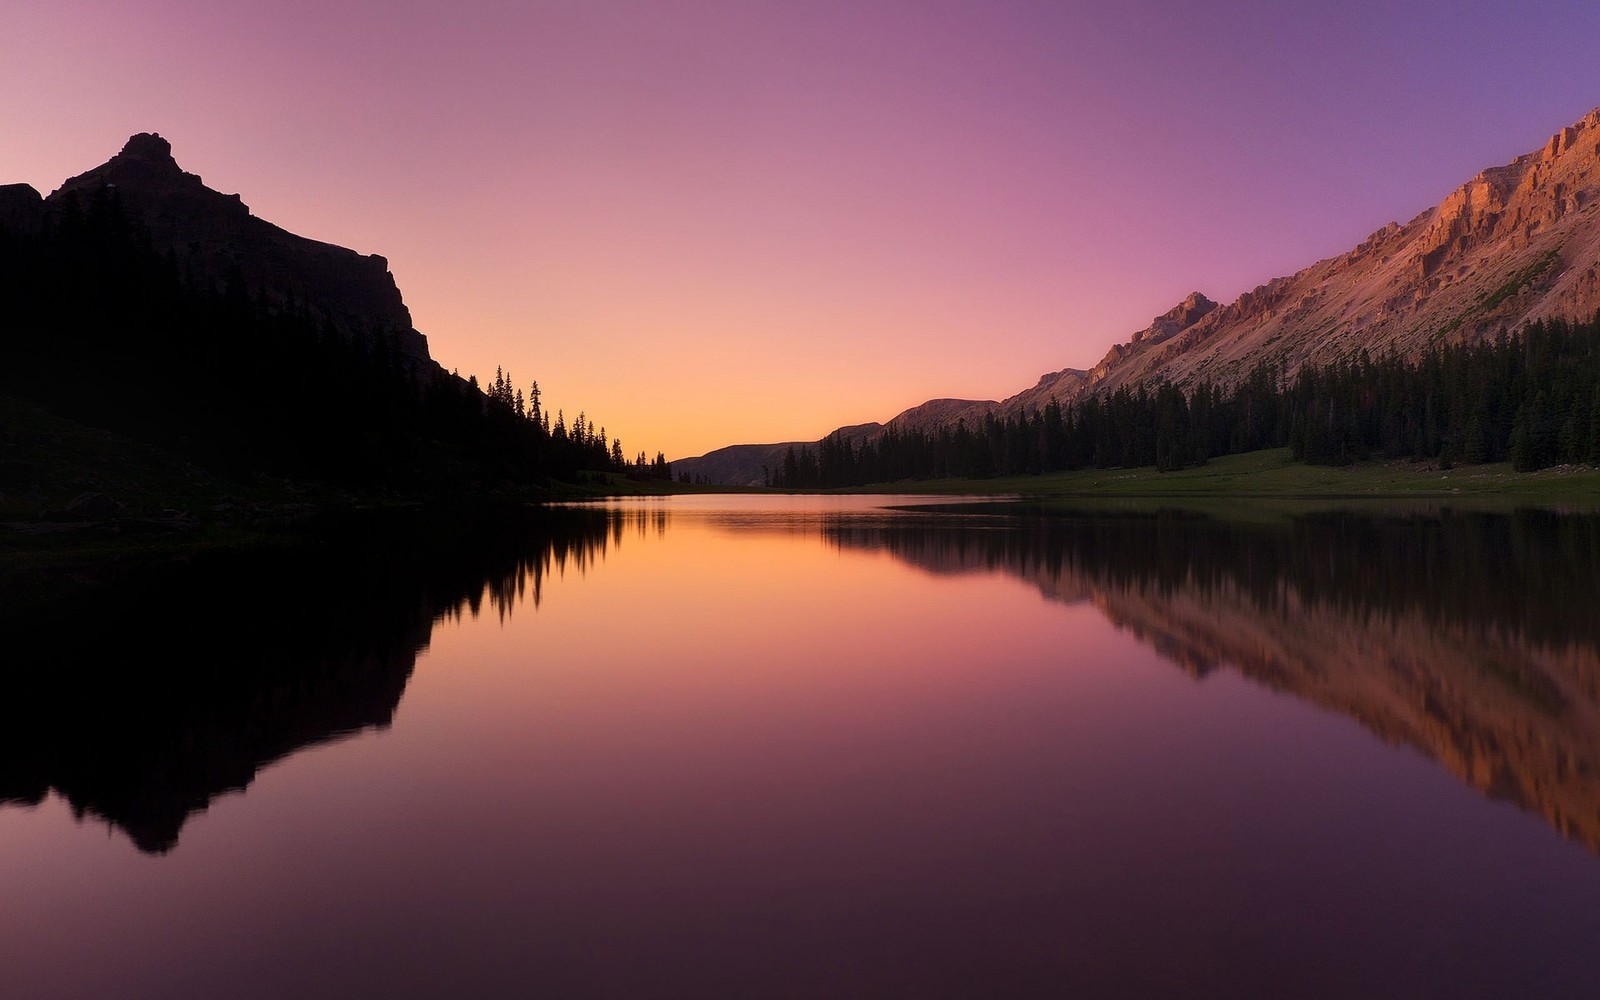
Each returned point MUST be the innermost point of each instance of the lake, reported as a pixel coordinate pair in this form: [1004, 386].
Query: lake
[774, 746]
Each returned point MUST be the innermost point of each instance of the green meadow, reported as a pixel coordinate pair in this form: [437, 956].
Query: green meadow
[1272, 475]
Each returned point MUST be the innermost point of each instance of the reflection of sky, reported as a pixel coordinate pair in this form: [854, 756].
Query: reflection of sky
[717, 759]
[709, 222]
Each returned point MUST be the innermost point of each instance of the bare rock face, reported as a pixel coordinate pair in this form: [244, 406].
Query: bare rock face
[1059, 387]
[1163, 328]
[942, 413]
[216, 236]
[1516, 243]
[1175, 320]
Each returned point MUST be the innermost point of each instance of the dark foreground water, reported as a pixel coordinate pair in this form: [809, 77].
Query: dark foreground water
[803, 747]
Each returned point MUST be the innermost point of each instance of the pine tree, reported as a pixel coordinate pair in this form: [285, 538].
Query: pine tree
[1592, 451]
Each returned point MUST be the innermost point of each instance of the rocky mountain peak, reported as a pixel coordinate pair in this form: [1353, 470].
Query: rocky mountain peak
[148, 146]
[1573, 136]
[145, 171]
[1175, 320]
[1190, 310]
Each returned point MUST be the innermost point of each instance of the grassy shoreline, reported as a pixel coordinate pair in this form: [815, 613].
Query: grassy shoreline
[1273, 475]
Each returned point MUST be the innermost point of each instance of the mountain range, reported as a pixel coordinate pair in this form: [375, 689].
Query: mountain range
[1516, 243]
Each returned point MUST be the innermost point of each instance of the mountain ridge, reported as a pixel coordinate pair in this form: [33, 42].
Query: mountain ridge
[1515, 243]
[220, 240]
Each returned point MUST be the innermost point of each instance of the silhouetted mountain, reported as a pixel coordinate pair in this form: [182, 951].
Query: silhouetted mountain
[1517, 243]
[138, 300]
[217, 238]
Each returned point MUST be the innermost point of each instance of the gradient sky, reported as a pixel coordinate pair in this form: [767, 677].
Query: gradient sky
[715, 222]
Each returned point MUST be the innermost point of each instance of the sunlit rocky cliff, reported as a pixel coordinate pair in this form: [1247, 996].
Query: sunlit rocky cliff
[1516, 243]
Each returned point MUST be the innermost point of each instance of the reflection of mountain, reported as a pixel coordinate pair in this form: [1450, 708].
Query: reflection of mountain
[146, 697]
[1469, 636]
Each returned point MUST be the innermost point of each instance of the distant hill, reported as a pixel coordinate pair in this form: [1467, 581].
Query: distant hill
[753, 464]
[1516, 243]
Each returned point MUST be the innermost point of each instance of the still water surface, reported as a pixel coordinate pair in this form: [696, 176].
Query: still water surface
[820, 747]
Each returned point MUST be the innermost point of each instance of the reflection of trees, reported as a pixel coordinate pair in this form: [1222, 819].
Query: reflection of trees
[165, 685]
[1469, 636]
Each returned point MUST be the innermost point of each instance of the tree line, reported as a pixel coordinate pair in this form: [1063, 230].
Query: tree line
[1530, 397]
[99, 325]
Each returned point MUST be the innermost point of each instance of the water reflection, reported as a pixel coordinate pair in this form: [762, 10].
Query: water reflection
[1469, 636]
[163, 686]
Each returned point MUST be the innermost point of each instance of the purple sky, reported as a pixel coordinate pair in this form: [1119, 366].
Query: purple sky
[707, 223]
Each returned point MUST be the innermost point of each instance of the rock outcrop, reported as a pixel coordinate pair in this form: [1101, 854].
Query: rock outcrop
[21, 208]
